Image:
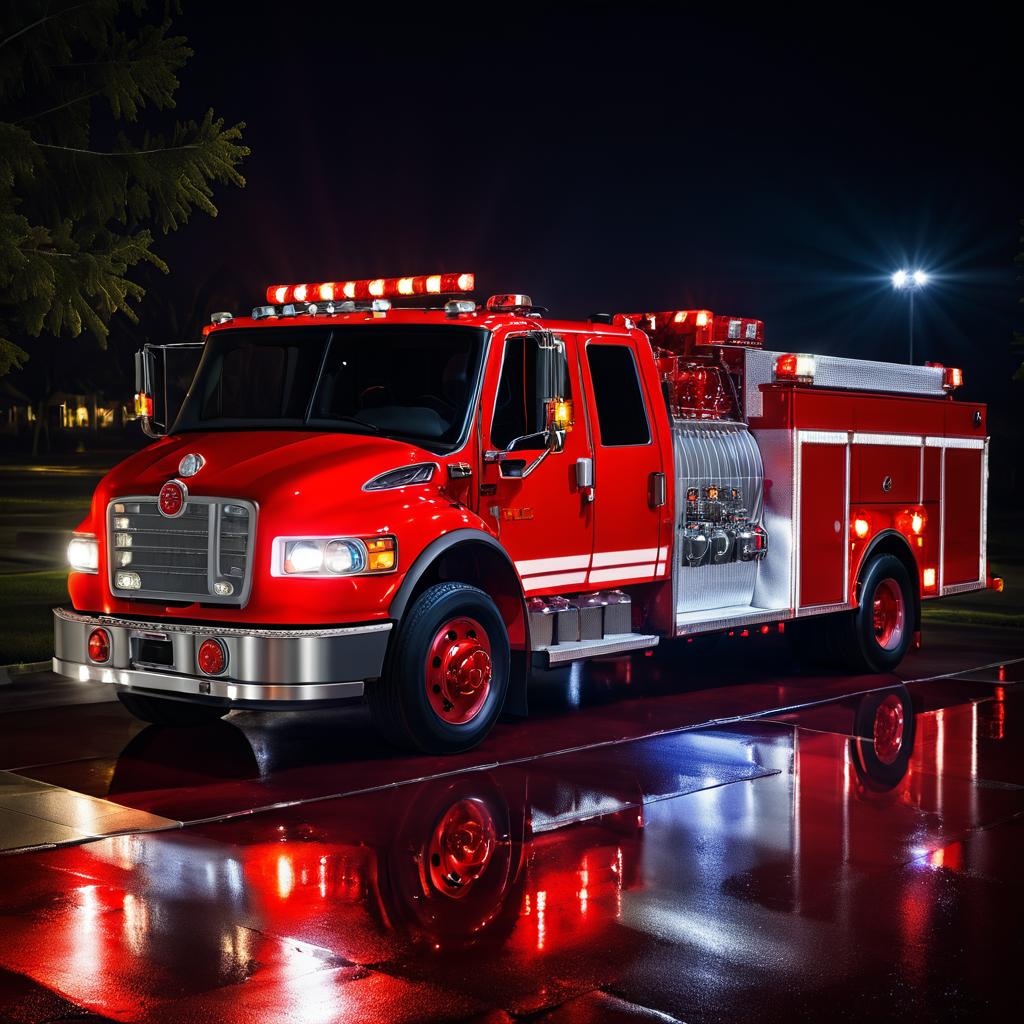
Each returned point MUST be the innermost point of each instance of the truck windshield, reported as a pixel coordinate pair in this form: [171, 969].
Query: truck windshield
[411, 382]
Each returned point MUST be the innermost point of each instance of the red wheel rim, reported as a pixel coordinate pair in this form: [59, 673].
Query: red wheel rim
[889, 615]
[458, 671]
[888, 729]
[461, 847]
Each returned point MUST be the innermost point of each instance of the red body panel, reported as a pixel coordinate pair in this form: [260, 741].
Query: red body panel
[823, 526]
[961, 517]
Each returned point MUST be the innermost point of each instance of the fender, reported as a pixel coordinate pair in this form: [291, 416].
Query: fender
[515, 698]
[891, 539]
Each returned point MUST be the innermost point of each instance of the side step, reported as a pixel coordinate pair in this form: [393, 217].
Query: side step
[574, 650]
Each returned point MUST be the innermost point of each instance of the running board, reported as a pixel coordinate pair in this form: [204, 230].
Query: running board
[574, 650]
[711, 619]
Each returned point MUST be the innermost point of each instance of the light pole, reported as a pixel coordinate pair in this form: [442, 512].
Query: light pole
[904, 281]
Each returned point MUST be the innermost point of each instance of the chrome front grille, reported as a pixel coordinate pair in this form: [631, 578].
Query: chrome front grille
[204, 554]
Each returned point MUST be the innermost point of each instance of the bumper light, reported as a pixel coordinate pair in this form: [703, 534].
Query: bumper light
[99, 646]
[84, 553]
[212, 657]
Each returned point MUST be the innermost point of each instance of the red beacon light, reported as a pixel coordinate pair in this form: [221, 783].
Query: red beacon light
[795, 368]
[372, 288]
[952, 376]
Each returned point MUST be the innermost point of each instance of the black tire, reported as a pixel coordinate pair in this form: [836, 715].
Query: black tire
[847, 640]
[170, 712]
[399, 701]
[854, 640]
[882, 769]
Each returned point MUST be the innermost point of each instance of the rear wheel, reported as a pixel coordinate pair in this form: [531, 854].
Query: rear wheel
[445, 682]
[170, 712]
[874, 637]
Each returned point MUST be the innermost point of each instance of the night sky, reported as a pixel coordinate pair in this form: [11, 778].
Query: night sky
[757, 167]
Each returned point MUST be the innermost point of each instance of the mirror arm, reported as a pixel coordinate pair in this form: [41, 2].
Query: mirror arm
[556, 443]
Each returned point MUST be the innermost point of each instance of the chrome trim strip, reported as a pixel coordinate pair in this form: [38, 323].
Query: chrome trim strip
[955, 442]
[823, 436]
[824, 609]
[962, 588]
[895, 440]
[181, 627]
[224, 689]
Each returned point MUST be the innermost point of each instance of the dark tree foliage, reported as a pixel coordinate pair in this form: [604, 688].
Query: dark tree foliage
[92, 163]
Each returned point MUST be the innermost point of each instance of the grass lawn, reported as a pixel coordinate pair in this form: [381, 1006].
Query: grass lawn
[986, 607]
[26, 601]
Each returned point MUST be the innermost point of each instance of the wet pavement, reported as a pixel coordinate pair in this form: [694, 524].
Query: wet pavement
[709, 837]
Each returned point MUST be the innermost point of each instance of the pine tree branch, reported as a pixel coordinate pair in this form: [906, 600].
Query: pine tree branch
[41, 21]
[126, 153]
[60, 106]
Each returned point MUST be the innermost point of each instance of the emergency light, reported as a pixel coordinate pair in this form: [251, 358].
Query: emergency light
[374, 288]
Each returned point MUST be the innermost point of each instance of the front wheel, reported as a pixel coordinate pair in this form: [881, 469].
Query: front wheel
[445, 681]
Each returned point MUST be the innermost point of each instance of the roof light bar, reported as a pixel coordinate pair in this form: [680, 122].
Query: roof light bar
[374, 288]
[796, 368]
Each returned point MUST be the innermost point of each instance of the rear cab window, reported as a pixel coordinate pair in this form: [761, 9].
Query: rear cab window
[621, 411]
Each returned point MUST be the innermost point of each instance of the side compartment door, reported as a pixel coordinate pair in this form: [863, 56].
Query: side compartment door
[529, 489]
[628, 545]
[823, 514]
[964, 486]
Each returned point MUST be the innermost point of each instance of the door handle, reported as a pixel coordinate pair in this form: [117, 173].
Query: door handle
[656, 492]
[585, 478]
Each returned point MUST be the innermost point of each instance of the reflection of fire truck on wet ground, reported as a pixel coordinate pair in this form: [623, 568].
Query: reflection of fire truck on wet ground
[415, 505]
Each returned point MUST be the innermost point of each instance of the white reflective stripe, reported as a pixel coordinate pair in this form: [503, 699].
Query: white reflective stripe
[559, 580]
[659, 568]
[662, 554]
[624, 572]
[954, 442]
[625, 557]
[535, 565]
[900, 440]
[823, 436]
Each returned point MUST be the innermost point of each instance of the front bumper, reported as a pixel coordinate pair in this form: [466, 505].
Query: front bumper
[266, 667]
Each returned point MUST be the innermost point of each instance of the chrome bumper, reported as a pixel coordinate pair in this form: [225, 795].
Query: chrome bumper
[268, 666]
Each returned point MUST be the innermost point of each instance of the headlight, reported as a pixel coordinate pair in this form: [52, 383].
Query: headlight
[84, 553]
[420, 473]
[333, 556]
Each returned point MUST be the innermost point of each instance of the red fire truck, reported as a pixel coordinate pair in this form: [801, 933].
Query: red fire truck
[416, 501]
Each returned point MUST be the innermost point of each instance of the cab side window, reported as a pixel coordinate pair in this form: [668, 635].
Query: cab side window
[533, 372]
[621, 415]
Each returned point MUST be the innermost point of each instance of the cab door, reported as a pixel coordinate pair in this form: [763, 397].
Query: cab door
[629, 485]
[529, 486]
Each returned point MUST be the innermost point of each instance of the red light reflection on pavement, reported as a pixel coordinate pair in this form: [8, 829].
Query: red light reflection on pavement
[779, 865]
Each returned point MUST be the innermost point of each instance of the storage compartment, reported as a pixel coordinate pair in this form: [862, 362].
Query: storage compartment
[885, 472]
[962, 522]
[823, 527]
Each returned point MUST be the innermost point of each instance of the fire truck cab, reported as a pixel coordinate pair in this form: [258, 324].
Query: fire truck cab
[416, 504]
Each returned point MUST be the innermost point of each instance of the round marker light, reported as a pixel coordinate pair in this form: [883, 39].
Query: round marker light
[212, 657]
[861, 527]
[99, 646]
[172, 499]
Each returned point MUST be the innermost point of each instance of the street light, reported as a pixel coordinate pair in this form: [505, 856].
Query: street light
[904, 281]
